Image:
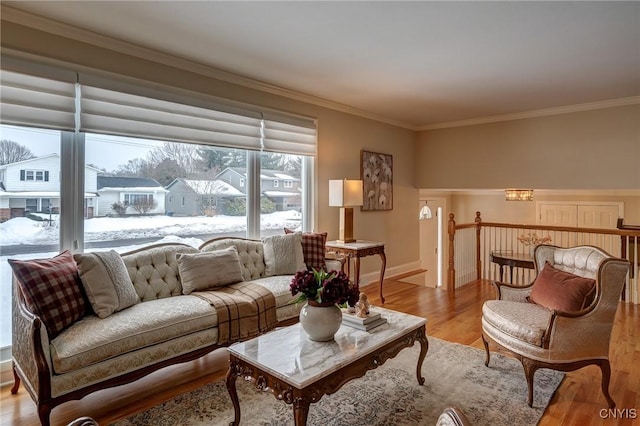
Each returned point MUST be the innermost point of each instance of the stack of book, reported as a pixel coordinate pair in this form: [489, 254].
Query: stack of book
[373, 320]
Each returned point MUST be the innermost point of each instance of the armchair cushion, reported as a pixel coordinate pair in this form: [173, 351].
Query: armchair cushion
[556, 289]
[51, 289]
[524, 321]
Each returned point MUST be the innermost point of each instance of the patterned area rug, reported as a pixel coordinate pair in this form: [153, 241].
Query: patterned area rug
[389, 395]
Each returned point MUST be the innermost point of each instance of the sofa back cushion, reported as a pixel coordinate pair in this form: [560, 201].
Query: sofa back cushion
[283, 254]
[154, 270]
[208, 270]
[106, 282]
[251, 253]
[51, 290]
[313, 249]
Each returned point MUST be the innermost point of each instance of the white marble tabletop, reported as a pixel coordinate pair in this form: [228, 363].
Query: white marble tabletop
[289, 355]
[357, 245]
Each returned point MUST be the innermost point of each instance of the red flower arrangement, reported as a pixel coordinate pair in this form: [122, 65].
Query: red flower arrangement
[325, 288]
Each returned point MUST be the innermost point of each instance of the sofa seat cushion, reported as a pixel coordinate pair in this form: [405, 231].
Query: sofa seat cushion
[92, 340]
[280, 286]
[524, 321]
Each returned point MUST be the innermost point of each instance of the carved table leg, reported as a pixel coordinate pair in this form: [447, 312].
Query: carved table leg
[383, 257]
[424, 347]
[301, 410]
[230, 381]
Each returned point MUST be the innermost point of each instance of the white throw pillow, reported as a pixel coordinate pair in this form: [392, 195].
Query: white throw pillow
[283, 254]
[106, 281]
[202, 271]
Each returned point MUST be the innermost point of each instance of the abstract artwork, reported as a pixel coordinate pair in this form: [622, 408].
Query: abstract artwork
[376, 172]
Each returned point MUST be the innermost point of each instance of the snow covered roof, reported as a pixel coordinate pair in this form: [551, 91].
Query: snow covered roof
[213, 187]
[265, 173]
[281, 194]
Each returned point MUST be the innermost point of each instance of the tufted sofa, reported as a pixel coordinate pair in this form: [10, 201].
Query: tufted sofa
[165, 328]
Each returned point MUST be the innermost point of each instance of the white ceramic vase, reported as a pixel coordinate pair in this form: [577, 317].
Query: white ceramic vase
[320, 322]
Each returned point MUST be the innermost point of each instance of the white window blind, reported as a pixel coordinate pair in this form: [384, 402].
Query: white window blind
[290, 135]
[117, 113]
[45, 96]
[31, 99]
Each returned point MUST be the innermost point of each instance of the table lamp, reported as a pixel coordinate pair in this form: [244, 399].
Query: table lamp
[345, 194]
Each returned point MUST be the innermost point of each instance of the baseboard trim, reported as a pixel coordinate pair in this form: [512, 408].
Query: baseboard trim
[6, 373]
[371, 277]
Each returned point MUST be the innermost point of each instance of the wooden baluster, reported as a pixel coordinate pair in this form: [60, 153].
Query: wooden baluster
[478, 222]
[451, 273]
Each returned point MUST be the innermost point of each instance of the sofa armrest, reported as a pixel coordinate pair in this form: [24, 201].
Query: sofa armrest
[335, 264]
[510, 292]
[30, 349]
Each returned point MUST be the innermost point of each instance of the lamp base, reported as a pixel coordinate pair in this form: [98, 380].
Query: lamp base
[346, 225]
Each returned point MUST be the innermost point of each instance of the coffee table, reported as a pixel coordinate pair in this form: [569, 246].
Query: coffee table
[300, 372]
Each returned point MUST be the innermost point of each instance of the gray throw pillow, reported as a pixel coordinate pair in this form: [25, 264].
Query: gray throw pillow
[283, 254]
[106, 281]
[203, 271]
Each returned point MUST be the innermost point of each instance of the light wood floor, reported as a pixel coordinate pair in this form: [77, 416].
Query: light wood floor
[578, 400]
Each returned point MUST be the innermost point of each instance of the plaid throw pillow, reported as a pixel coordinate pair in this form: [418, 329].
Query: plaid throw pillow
[51, 289]
[313, 248]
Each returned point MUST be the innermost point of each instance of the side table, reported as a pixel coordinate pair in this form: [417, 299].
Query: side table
[355, 251]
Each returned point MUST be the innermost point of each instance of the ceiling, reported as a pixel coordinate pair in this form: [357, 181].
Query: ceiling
[416, 64]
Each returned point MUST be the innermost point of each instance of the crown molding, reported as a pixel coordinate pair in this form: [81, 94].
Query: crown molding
[68, 31]
[633, 100]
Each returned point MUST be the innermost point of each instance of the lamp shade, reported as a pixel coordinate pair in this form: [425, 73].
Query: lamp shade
[345, 193]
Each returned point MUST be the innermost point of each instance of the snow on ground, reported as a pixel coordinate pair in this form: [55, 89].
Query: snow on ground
[26, 231]
[29, 232]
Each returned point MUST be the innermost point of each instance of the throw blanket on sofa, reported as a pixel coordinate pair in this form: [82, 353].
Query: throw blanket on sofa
[244, 310]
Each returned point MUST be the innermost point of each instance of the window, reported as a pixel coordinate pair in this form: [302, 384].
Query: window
[34, 175]
[133, 199]
[287, 183]
[144, 148]
[31, 239]
[276, 183]
[32, 204]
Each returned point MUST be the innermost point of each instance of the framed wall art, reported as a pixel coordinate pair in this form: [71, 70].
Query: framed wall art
[376, 172]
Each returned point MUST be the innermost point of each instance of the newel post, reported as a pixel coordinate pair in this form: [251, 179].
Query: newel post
[478, 222]
[451, 273]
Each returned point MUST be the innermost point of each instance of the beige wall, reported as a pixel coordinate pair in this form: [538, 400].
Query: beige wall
[341, 136]
[597, 149]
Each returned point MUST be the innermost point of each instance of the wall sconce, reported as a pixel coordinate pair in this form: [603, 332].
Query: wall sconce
[345, 194]
[518, 194]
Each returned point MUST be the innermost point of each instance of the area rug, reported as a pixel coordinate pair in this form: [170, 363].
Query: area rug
[389, 395]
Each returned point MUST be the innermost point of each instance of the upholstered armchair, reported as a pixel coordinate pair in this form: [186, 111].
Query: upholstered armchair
[563, 320]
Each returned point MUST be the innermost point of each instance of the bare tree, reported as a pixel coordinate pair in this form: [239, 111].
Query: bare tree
[186, 155]
[12, 152]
